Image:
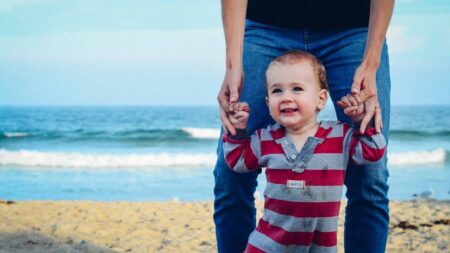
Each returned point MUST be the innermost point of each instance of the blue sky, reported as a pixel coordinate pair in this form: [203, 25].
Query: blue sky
[113, 52]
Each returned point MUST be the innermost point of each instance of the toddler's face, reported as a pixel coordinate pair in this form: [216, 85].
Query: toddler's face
[294, 96]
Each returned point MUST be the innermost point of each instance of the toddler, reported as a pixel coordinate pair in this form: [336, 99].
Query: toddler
[305, 160]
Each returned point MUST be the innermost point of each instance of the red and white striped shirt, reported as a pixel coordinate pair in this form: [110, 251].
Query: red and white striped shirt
[303, 192]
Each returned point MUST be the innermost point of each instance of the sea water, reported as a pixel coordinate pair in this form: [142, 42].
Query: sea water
[168, 153]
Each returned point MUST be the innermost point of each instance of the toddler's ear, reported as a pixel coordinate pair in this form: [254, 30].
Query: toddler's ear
[267, 100]
[323, 97]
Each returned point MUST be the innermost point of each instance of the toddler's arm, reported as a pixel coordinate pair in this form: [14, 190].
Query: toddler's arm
[241, 152]
[365, 148]
[362, 147]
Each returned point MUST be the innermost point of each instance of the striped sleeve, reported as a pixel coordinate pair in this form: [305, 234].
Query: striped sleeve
[364, 148]
[243, 153]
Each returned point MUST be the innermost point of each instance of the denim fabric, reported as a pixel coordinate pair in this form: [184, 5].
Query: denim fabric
[341, 51]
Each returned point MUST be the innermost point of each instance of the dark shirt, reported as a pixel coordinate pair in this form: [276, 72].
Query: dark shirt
[301, 14]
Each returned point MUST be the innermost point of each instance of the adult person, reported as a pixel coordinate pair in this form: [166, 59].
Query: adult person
[349, 38]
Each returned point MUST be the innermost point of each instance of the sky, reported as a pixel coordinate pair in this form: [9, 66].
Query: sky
[172, 52]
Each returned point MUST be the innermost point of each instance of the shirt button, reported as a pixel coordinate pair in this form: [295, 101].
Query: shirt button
[293, 156]
[298, 169]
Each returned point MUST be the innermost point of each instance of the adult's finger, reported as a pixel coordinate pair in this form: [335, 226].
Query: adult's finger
[378, 119]
[370, 109]
[226, 124]
[223, 99]
[234, 95]
[357, 81]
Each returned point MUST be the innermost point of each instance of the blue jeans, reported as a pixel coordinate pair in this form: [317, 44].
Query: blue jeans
[341, 51]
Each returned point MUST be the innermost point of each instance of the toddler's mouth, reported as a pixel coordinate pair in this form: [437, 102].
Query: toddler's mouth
[288, 110]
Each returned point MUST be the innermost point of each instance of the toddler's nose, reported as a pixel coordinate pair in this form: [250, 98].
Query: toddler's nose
[286, 97]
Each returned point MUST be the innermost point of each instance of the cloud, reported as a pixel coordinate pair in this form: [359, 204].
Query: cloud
[400, 41]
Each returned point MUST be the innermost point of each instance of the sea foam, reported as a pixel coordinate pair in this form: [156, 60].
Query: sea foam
[417, 157]
[29, 158]
[203, 133]
[14, 134]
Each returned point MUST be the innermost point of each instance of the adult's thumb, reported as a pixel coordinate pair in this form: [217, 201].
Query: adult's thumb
[356, 86]
[234, 96]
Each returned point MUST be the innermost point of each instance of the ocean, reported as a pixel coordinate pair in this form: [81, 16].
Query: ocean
[168, 153]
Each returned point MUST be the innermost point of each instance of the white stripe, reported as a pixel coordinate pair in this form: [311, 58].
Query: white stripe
[266, 243]
[276, 161]
[308, 194]
[301, 224]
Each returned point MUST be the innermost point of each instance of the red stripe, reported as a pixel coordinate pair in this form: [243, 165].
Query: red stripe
[233, 157]
[330, 145]
[326, 239]
[370, 131]
[278, 133]
[284, 237]
[252, 249]
[303, 209]
[371, 154]
[323, 132]
[250, 160]
[311, 177]
[352, 148]
[271, 147]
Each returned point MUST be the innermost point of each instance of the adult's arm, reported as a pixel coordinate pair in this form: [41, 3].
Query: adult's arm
[364, 80]
[233, 19]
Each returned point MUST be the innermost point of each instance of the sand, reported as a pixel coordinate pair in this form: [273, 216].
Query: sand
[86, 226]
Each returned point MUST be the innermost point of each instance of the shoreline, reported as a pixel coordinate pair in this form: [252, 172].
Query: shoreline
[173, 226]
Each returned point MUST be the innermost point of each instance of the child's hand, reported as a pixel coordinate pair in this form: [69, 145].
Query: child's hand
[240, 114]
[352, 107]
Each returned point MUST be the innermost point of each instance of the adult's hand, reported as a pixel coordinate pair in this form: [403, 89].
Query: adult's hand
[365, 89]
[228, 95]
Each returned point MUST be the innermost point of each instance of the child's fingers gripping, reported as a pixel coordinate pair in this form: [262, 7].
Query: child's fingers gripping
[351, 110]
[345, 102]
[234, 120]
[244, 107]
[236, 107]
[352, 99]
[240, 115]
[356, 96]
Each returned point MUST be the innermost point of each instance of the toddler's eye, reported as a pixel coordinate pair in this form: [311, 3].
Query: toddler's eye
[297, 89]
[276, 91]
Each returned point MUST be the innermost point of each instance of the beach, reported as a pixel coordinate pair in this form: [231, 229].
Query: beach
[174, 226]
[140, 179]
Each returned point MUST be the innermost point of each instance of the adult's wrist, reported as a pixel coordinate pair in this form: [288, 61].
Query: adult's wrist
[233, 63]
[371, 61]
